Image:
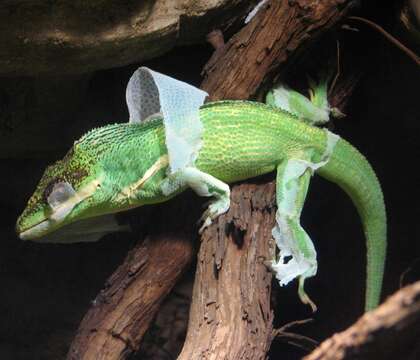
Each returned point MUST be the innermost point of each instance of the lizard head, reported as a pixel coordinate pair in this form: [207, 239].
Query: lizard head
[70, 190]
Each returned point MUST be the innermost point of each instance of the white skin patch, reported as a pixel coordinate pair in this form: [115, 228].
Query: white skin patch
[290, 187]
[297, 257]
[203, 184]
[314, 111]
[87, 230]
[298, 105]
[61, 193]
[149, 92]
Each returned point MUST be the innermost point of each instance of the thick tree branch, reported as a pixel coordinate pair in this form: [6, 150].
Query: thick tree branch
[121, 313]
[280, 30]
[392, 331]
[231, 316]
[123, 310]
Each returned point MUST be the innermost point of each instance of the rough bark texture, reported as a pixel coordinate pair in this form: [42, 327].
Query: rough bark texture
[392, 331]
[121, 313]
[44, 37]
[231, 316]
[281, 29]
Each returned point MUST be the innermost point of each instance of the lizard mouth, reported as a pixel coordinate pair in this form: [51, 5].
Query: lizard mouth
[86, 230]
[36, 231]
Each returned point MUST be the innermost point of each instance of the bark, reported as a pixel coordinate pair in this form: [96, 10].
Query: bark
[280, 30]
[122, 312]
[231, 316]
[392, 331]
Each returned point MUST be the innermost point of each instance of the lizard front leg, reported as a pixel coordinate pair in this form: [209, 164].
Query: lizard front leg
[203, 184]
[297, 257]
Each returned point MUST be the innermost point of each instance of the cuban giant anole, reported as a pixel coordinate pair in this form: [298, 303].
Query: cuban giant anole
[173, 141]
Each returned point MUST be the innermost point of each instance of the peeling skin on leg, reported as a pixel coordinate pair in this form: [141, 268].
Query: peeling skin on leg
[203, 184]
[297, 257]
[332, 140]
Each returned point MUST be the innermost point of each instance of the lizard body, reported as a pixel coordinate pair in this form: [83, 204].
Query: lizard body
[122, 166]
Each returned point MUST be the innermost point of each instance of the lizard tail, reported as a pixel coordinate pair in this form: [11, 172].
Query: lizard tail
[349, 169]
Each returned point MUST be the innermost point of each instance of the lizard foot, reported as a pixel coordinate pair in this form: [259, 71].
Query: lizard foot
[216, 208]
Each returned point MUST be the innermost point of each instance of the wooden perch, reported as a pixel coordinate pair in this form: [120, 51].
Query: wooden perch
[392, 331]
[230, 315]
[122, 312]
[281, 29]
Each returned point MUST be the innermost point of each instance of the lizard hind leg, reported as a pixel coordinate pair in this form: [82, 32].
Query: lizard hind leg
[314, 111]
[297, 256]
[203, 184]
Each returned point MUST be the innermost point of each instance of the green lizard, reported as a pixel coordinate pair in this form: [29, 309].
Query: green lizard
[180, 145]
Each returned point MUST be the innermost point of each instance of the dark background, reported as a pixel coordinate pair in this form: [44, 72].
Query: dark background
[46, 289]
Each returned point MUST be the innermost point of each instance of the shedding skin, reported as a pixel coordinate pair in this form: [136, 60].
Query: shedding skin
[237, 140]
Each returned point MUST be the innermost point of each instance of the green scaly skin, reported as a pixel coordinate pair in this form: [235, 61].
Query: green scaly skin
[240, 140]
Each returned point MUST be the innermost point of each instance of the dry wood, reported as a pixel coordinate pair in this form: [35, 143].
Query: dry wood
[121, 313]
[392, 331]
[283, 28]
[230, 316]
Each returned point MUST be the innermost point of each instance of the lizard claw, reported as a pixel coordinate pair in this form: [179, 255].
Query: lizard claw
[216, 208]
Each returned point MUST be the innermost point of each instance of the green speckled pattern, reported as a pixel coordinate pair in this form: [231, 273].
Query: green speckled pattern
[240, 140]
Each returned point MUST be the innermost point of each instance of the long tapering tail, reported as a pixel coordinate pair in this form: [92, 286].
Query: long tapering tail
[352, 172]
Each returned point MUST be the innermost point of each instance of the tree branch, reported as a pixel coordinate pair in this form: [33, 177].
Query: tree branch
[122, 312]
[231, 316]
[392, 331]
[282, 29]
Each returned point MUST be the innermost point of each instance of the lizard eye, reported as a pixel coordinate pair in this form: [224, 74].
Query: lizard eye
[58, 193]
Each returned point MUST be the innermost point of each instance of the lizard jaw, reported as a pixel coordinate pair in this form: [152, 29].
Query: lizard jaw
[36, 231]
